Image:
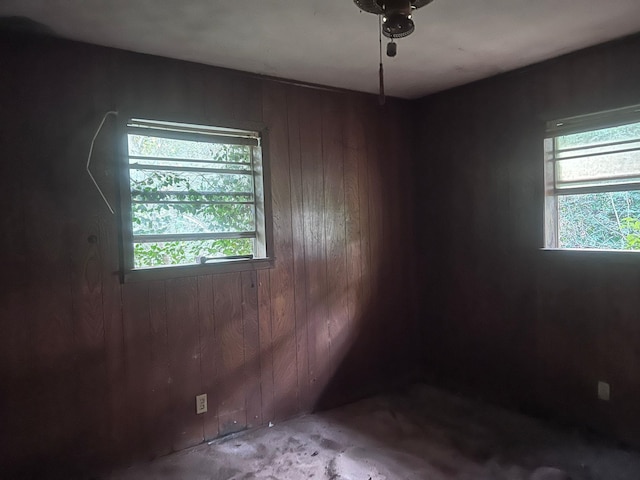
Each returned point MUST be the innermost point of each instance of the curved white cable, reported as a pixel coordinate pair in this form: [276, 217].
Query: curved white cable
[111, 112]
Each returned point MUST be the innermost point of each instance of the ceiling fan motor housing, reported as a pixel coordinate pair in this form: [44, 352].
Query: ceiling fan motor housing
[396, 14]
[396, 20]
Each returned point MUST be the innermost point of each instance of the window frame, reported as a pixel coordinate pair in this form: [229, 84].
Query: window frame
[127, 271]
[567, 126]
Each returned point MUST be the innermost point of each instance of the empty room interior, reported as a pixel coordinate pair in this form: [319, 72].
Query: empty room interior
[329, 239]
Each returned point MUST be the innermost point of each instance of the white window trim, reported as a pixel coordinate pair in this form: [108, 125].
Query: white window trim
[253, 134]
[567, 126]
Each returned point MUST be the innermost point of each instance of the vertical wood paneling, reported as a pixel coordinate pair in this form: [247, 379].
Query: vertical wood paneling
[50, 301]
[15, 340]
[83, 239]
[136, 312]
[333, 147]
[227, 311]
[184, 360]
[219, 98]
[399, 231]
[114, 407]
[376, 198]
[208, 355]
[266, 347]
[137, 354]
[298, 246]
[89, 340]
[157, 406]
[354, 156]
[375, 193]
[364, 165]
[247, 98]
[122, 364]
[177, 93]
[251, 329]
[314, 240]
[547, 324]
[116, 412]
[283, 336]
[86, 236]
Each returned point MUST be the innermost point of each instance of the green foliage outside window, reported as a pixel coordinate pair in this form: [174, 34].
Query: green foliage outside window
[166, 201]
[609, 220]
[632, 237]
[181, 253]
[598, 159]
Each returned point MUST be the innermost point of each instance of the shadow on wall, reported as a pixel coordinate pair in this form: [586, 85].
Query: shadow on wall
[71, 403]
[377, 351]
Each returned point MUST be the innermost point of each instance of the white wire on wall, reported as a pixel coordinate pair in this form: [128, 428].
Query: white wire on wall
[104, 118]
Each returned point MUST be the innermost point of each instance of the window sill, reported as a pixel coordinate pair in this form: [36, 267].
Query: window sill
[603, 251]
[166, 273]
[592, 256]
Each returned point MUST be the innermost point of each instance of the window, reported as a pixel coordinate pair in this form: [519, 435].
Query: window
[592, 176]
[194, 196]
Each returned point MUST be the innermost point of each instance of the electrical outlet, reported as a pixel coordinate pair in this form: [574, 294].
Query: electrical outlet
[604, 391]
[201, 403]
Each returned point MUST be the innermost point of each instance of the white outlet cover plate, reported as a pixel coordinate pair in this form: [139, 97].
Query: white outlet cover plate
[604, 391]
[201, 403]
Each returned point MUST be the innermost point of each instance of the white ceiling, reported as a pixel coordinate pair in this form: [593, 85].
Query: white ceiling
[331, 42]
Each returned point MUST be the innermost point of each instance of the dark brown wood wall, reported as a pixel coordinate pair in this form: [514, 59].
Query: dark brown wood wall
[532, 328]
[96, 372]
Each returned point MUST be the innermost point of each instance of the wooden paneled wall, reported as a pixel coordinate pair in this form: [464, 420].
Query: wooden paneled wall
[97, 372]
[536, 329]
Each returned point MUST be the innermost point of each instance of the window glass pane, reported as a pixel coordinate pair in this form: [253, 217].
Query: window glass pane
[599, 170]
[175, 218]
[609, 220]
[142, 145]
[191, 186]
[201, 164]
[595, 137]
[153, 182]
[605, 148]
[188, 252]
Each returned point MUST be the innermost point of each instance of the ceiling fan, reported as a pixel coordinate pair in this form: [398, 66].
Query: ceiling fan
[396, 21]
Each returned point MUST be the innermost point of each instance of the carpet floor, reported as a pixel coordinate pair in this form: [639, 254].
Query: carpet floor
[423, 434]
